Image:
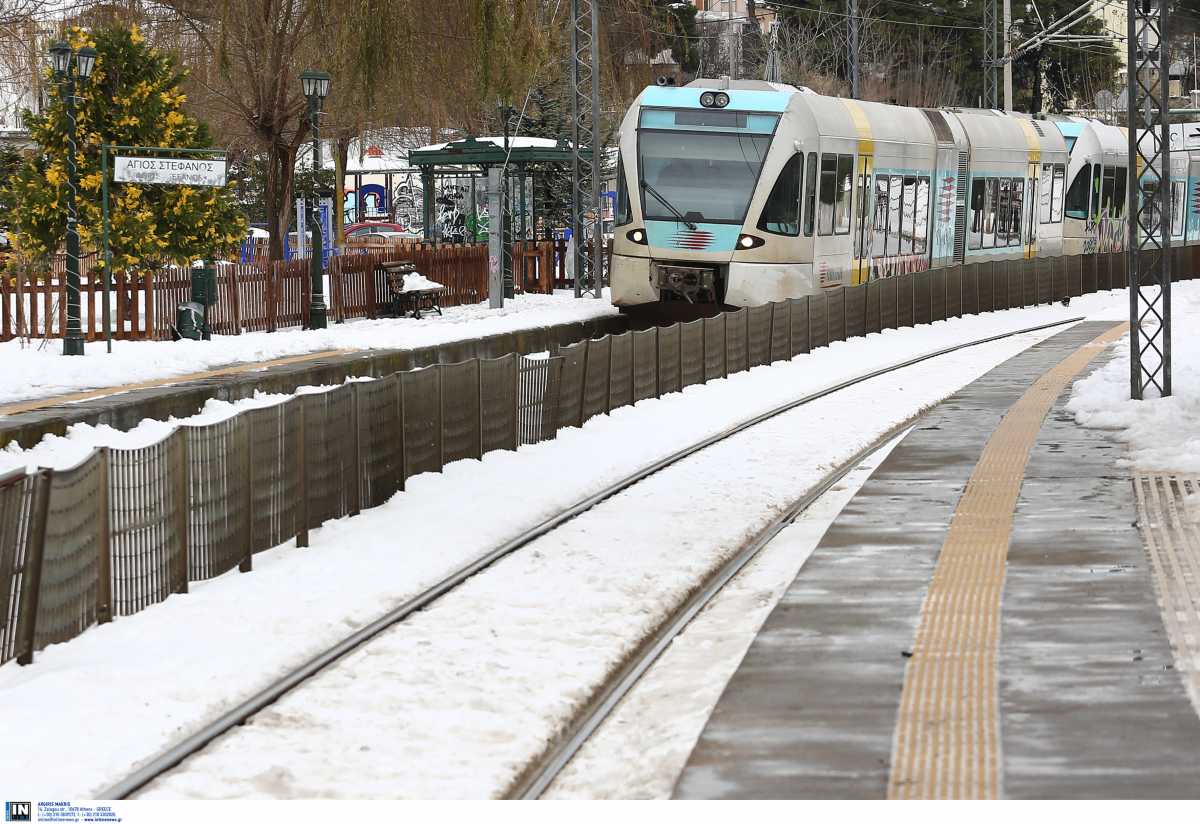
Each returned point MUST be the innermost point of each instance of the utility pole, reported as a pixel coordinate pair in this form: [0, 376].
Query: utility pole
[989, 61]
[731, 40]
[1148, 238]
[1005, 56]
[586, 160]
[852, 18]
[773, 72]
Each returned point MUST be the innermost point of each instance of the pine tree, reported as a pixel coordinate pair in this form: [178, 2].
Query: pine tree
[131, 99]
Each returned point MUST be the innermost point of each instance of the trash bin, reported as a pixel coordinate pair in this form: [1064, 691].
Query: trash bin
[189, 321]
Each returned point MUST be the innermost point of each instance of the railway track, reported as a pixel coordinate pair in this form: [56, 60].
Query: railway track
[534, 780]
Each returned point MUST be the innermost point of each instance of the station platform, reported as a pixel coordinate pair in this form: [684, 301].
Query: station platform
[984, 619]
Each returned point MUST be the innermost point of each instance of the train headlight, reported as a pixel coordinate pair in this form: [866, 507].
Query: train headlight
[749, 241]
[722, 100]
[714, 100]
[637, 236]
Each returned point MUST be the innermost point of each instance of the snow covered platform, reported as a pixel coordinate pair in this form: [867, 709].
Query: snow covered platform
[981, 620]
[150, 379]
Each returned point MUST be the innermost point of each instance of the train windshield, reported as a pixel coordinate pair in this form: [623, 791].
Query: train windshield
[705, 171]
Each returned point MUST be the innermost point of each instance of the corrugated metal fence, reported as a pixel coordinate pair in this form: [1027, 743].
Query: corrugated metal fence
[127, 528]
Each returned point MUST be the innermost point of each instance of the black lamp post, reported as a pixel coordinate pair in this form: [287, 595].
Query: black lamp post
[316, 89]
[84, 61]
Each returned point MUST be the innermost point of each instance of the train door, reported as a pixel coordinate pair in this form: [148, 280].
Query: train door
[860, 264]
[1029, 215]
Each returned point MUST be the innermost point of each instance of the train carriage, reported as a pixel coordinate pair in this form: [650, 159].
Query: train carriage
[743, 192]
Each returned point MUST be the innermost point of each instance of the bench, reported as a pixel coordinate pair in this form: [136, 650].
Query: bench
[410, 297]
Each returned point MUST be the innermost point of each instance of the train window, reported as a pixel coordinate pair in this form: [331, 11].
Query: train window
[908, 215]
[1119, 193]
[1177, 202]
[624, 213]
[781, 214]
[879, 217]
[1077, 195]
[1017, 200]
[1045, 190]
[1003, 211]
[991, 197]
[1095, 196]
[862, 227]
[921, 222]
[895, 214]
[978, 187]
[1056, 195]
[810, 195]
[828, 194]
[1107, 189]
[845, 192]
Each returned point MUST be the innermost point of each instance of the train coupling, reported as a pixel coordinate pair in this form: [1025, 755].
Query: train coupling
[686, 281]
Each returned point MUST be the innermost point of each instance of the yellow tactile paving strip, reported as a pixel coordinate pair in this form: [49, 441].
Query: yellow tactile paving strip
[1169, 521]
[947, 742]
[91, 394]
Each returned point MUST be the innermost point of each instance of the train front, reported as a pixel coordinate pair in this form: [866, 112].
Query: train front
[690, 162]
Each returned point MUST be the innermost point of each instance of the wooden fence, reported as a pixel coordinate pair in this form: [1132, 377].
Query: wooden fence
[262, 297]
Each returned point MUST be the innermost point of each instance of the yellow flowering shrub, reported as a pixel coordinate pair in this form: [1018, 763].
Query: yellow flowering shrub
[132, 99]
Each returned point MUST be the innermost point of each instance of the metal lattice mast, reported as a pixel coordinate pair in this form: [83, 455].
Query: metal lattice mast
[773, 73]
[1149, 239]
[991, 54]
[585, 140]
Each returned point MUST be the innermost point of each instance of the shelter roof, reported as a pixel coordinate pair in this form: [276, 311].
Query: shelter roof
[489, 151]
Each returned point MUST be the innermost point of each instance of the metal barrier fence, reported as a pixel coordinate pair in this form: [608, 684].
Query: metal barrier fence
[127, 528]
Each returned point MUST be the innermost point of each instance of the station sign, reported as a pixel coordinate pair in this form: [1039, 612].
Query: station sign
[172, 171]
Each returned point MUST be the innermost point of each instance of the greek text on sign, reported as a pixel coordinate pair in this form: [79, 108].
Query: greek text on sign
[177, 171]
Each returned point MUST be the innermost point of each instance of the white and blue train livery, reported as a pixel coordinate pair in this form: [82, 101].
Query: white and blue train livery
[744, 192]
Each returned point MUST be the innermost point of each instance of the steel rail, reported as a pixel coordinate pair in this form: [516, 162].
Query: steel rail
[237, 715]
[534, 781]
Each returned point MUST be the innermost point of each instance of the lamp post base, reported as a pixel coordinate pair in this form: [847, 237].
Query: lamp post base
[72, 346]
[318, 316]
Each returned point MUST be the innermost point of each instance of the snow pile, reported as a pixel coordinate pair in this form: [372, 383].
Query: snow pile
[41, 371]
[416, 282]
[66, 451]
[1162, 434]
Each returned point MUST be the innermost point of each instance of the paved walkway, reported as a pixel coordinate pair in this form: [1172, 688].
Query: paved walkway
[104, 392]
[981, 621]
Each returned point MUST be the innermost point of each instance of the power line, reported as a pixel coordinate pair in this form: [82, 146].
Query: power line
[807, 10]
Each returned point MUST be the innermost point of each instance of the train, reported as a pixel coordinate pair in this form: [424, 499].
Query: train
[742, 192]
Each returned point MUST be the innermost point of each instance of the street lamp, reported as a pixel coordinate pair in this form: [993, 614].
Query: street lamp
[61, 56]
[316, 89]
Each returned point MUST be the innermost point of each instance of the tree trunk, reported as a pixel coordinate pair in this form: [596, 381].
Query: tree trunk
[341, 160]
[281, 176]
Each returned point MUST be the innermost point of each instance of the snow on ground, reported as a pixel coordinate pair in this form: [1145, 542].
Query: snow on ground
[34, 371]
[640, 750]
[65, 451]
[1162, 434]
[456, 701]
[129, 688]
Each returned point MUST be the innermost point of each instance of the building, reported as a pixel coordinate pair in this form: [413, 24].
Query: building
[746, 10]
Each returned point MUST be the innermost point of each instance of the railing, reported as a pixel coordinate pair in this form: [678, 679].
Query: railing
[127, 528]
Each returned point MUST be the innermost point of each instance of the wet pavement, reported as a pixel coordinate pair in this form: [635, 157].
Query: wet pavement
[1083, 695]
